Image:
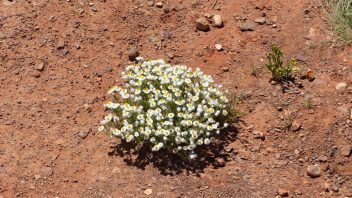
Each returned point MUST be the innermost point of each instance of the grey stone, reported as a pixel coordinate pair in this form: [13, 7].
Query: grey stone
[261, 20]
[248, 26]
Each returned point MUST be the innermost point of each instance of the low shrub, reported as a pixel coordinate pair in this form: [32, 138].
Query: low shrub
[166, 107]
[275, 65]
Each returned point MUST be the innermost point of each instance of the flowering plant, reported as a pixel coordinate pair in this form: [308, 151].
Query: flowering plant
[165, 106]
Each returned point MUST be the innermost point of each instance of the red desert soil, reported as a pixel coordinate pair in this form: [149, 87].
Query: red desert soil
[58, 60]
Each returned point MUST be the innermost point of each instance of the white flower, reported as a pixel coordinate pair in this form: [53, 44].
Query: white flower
[170, 115]
[170, 106]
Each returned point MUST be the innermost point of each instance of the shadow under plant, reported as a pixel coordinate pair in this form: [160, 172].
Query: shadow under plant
[216, 154]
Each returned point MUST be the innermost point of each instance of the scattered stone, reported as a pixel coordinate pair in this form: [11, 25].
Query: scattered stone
[150, 3]
[94, 9]
[226, 69]
[228, 149]
[345, 150]
[282, 192]
[148, 191]
[341, 86]
[84, 133]
[326, 187]
[40, 67]
[46, 171]
[77, 45]
[36, 74]
[219, 162]
[279, 108]
[166, 9]
[218, 21]
[133, 54]
[323, 158]
[296, 151]
[301, 58]
[258, 135]
[296, 126]
[218, 47]
[248, 26]
[159, 4]
[335, 188]
[309, 75]
[170, 55]
[167, 34]
[202, 25]
[343, 109]
[31, 186]
[312, 34]
[314, 170]
[60, 43]
[261, 20]
[37, 176]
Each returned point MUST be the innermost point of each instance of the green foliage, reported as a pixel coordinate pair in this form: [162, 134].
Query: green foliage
[340, 14]
[279, 71]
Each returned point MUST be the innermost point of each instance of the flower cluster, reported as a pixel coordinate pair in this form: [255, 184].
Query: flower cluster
[166, 106]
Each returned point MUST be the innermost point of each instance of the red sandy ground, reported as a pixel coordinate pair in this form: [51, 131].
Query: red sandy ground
[42, 112]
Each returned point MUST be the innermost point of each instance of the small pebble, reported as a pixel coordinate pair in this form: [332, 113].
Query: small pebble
[296, 126]
[84, 133]
[341, 86]
[282, 192]
[218, 47]
[40, 67]
[314, 170]
[226, 69]
[36, 74]
[261, 20]
[46, 171]
[345, 150]
[218, 21]
[148, 191]
[150, 3]
[60, 43]
[248, 26]
[133, 54]
[159, 4]
[202, 25]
